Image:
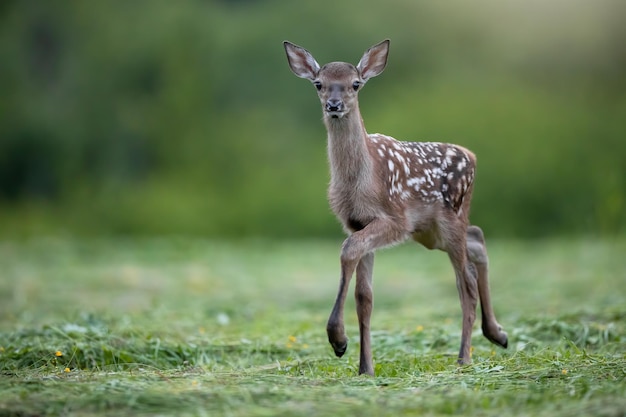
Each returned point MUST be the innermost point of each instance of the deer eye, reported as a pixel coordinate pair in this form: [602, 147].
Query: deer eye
[317, 85]
[356, 85]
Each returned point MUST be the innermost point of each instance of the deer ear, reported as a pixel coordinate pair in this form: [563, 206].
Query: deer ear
[374, 60]
[301, 61]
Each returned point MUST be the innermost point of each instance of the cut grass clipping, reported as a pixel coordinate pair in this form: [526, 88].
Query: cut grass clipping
[190, 327]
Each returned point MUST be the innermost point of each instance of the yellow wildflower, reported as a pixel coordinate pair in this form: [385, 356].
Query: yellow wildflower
[67, 369]
[419, 328]
[564, 371]
[58, 353]
[292, 339]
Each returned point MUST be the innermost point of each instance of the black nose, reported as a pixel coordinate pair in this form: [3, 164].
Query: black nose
[334, 105]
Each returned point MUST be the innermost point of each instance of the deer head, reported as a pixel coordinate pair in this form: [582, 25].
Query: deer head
[337, 83]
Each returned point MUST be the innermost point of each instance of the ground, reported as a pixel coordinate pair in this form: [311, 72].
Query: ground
[203, 327]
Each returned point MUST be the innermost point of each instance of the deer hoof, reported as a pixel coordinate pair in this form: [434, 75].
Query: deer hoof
[499, 338]
[366, 372]
[340, 348]
[505, 341]
[464, 361]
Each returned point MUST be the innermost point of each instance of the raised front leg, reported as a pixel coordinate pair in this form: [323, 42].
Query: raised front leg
[358, 250]
[335, 328]
[477, 254]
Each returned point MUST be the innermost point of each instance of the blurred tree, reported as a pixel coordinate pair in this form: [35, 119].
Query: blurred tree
[182, 117]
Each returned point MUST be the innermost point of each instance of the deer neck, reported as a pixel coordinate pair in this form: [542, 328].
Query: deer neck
[350, 161]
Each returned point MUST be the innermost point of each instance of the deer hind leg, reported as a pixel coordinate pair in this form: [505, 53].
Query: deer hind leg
[468, 294]
[477, 255]
[357, 254]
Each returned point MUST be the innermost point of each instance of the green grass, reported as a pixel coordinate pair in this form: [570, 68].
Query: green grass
[191, 327]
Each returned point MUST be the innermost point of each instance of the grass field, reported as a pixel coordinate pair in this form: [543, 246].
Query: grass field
[192, 327]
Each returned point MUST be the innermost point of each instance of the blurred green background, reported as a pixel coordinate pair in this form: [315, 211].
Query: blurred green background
[182, 117]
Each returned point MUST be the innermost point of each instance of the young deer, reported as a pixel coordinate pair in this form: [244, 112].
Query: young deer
[385, 191]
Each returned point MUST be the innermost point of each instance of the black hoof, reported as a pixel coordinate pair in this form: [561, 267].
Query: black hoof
[506, 343]
[463, 362]
[340, 349]
[502, 341]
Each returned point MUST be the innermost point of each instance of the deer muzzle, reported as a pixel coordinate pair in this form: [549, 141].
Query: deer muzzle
[334, 108]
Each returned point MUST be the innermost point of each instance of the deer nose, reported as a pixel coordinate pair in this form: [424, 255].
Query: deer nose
[334, 105]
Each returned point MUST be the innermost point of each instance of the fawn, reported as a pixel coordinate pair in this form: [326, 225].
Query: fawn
[385, 191]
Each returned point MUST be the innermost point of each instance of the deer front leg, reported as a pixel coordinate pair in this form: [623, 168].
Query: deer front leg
[364, 304]
[356, 248]
[477, 254]
[334, 327]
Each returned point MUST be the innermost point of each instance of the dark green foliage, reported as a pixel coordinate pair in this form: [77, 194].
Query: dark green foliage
[156, 117]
